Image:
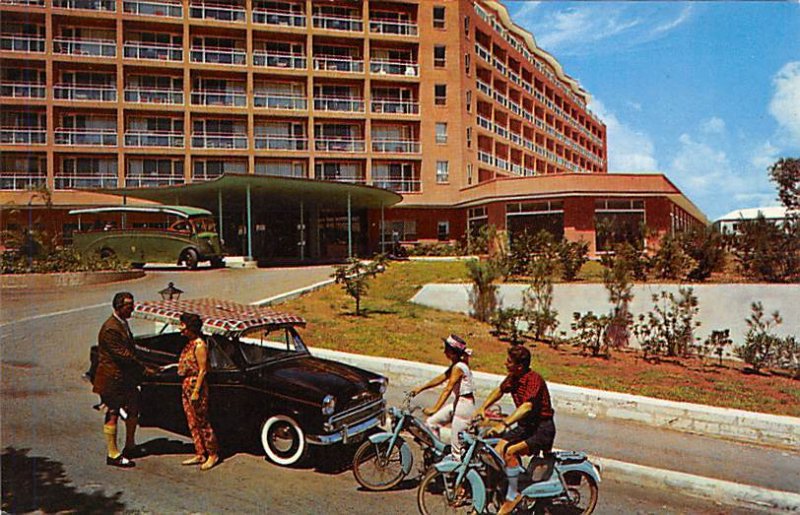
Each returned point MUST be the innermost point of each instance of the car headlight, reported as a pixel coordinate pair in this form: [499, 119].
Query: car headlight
[383, 383]
[328, 405]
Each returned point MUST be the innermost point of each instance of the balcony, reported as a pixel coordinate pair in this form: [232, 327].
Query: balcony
[398, 185]
[23, 135]
[154, 96]
[393, 28]
[350, 105]
[484, 123]
[22, 181]
[152, 181]
[339, 144]
[223, 140]
[85, 93]
[484, 88]
[21, 43]
[154, 139]
[85, 47]
[26, 3]
[483, 53]
[87, 5]
[268, 100]
[219, 98]
[278, 18]
[86, 137]
[70, 182]
[344, 23]
[279, 60]
[391, 106]
[338, 64]
[389, 67]
[153, 8]
[22, 90]
[339, 177]
[219, 12]
[228, 56]
[401, 146]
[280, 142]
[153, 51]
[485, 157]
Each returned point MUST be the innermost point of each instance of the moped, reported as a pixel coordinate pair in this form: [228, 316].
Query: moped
[561, 482]
[385, 458]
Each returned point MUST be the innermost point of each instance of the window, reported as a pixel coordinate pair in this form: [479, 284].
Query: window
[466, 26]
[467, 63]
[469, 174]
[469, 100]
[469, 137]
[439, 56]
[441, 132]
[438, 17]
[442, 172]
[440, 94]
[443, 231]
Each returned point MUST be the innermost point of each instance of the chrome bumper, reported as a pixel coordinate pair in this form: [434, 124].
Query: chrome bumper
[346, 434]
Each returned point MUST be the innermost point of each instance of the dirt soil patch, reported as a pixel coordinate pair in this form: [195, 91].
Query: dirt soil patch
[391, 326]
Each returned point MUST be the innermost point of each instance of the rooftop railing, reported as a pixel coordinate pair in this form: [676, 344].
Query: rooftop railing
[390, 106]
[154, 96]
[330, 22]
[22, 90]
[397, 146]
[153, 51]
[167, 139]
[219, 12]
[268, 100]
[23, 135]
[85, 93]
[153, 8]
[352, 105]
[279, 60]
[85, 47]
[277, 17]
[223, 140]
[219, 98]
[86, 137]
[87, 5]
[393, 28]
[339, 144]
[228, 56]
[280, 142]
[390, 67]
[22, 181]
[338, 64]
[21, 43]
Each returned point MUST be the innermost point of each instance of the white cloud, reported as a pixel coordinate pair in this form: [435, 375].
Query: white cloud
[764, 156]
[682, 17]
[636, 106]
[628, 149]
[713, 125]
[785, 103]
[582, 24]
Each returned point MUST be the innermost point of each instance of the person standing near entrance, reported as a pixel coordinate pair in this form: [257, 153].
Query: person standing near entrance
[116, 379]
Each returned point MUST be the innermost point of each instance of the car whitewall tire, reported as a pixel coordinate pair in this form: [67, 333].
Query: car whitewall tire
[283, 440]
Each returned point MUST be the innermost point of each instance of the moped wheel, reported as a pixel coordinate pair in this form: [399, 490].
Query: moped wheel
[583, 494]
[436, 495]
[376, 467]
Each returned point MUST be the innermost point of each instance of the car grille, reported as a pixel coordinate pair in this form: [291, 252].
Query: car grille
[357, 414]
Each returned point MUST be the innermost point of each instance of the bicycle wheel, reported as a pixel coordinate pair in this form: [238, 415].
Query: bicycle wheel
[377, 468]
[436, 495]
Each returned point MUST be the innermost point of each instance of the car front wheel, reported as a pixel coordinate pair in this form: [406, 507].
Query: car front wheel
[283, 440]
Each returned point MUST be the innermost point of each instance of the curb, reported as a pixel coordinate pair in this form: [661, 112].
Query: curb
[65, 279]
[289, 295]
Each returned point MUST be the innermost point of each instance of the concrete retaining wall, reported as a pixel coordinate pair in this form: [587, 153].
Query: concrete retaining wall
[738, 425]
[67, 279]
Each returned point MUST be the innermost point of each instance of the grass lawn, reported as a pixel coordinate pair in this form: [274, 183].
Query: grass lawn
[394, 327]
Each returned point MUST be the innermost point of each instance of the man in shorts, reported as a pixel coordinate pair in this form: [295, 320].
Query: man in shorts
[535, 430]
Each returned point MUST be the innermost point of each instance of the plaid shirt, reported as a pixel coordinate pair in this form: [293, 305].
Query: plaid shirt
[529, 387]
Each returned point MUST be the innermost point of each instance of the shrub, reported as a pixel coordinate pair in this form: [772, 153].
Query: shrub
[789, 356]
[526, 247]
[671, 261]
[767, 251]
[483, 295]
[590, 333]
[706, 247]
[505, 322]
[572, 255]
[354, 278]
[55, 261]
[436, 249]
[635, 260]
[715, 344]
[477, 242]
[669, 328]
[537, 299]
[761, 345]
[617, 280]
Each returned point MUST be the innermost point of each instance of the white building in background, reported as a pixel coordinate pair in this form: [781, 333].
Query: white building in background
[729, 223]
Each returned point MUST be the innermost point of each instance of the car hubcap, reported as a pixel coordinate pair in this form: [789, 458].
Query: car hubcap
[283, 438]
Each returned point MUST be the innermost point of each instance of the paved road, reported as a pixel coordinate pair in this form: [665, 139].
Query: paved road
[53, 450]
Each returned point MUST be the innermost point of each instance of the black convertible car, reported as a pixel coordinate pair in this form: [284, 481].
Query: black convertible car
[265, 386]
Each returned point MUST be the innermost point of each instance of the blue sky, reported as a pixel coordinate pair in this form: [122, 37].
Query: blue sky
[705, 92]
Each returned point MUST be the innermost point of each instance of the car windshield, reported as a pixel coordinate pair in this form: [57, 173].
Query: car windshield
[265, 344]
[205, 224]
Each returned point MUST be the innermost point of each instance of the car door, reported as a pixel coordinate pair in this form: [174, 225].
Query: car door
[230, 403]
[161, 392]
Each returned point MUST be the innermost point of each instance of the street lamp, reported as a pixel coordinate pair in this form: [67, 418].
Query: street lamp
[170, 292]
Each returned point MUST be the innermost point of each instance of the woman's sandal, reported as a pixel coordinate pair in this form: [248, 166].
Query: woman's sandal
[194, 460]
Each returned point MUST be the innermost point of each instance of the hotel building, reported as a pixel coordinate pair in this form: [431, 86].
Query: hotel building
[446, 102]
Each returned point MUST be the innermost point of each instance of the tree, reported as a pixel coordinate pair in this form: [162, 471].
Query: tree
[716, 343]
[537, 299]
[761, 344]
[483, 295]
[354, 278]
[572, 255]
[671, 261]
[706, 247]
[785, 173]
[669, 328]
[617, 280]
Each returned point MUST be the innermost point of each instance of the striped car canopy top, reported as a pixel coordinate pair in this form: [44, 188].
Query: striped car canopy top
[219, 316]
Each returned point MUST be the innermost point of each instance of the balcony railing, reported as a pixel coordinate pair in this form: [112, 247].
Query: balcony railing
[85, 47]
[21, 43]
[267, 100]
[219, 12]
[22, 90]
[339, 144]
[154, 139]
[219, 140]
[329, 22]
[484, 88]
[87, 5]
[389, 106]
[279, 60]
[219, 56]
[275, 142]
[398, 185]
[338, 64]
[22, 181]
[154, 96]
[23, 135]
[29, 3]
[338, 177]
[282, 18]
[484, 123]
[151, 181]
[485, 157]
[351, 105]
[85, 93]
[86, 137]
[153, 51]
[483, 52]
[394, 28]
[389, 67]
[70, 182]
[153, 8]
[401, 146]
[219, 98]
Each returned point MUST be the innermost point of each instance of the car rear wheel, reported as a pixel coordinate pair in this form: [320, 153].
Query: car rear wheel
[189, 259]
[283, 440]
[107, 253]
